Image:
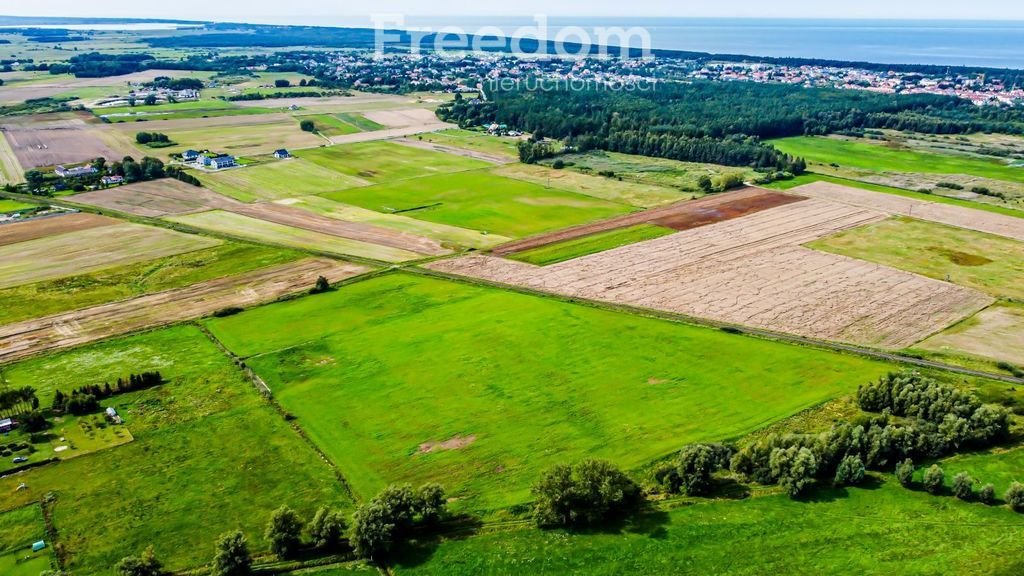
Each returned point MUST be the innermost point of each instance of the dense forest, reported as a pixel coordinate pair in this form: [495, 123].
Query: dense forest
[722, 123]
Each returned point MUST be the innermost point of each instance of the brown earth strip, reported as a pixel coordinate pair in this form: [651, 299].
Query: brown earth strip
[155, 199]
[679, 216]
[83, 326]
[50, 226]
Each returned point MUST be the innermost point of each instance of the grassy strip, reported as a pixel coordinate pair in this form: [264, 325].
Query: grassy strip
[362, 123]
[593, 244]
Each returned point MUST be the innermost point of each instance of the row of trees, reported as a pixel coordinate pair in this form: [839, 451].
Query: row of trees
[937, 420]
[85, 399]
[934, 482]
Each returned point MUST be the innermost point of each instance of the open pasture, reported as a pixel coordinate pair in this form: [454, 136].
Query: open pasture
[377, 162]
[237, 135]
[8, 206]
[881, 157]
[19, 529]
[89, 250]
[984, 262]
[885, 530]
[209, 456]
[592, 244]
[329, 124]
[256, 229]
[83, 326]
[754, 271]
[673, 174]
[683, 215]
[447, 235]
[404, 378]
[40, 141]
[943, 213]
[482, 201]
[498, 146]
[402, 117]
[47, 298]
[277, 179]
[636, 194]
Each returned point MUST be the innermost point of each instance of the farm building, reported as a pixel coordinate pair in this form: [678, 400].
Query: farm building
[74, 172]
[190, 155]
[113, 416]
[6, 425]
[112, 180]
[281, 154]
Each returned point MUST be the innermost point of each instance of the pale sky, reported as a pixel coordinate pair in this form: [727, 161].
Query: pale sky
[322, 12]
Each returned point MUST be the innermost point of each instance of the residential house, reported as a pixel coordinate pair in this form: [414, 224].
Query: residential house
[220, 162]
[190, 155]
[281, 154]
[113, 180]
[6, 425]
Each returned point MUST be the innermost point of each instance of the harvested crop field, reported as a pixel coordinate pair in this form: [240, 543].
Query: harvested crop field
[153, 199]
[90, 250]
[36, 228]
[679, 216]
[83, 326]
[38, 141]
[978, 220]
[639, 194]
[258, 230]
[996, 333]
[402, 118]
[754, 271]
[237, 135]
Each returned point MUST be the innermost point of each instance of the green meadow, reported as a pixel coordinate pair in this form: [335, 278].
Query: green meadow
[991, 264]
[362, 123]
[882, 529]
[209, 455]
[482, 201]
[330, 124]
[476, 141]
[405, 378]
[14, 205]
[593, 244]
[376, 162]
[19, 529]
[278, 179]
[870, 155]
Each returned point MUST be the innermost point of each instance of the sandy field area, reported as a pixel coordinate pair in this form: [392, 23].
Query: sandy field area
[754, 271]
[83, 326]
[50, 226]
[996, 333]
[978, 220]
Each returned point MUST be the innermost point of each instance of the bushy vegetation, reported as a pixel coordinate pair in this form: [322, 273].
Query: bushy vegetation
[233, 557]
[145, 565]
[85, 399]
[692, 470]
[586, 493]
[384, 522]
[935, 419]
[155, 139]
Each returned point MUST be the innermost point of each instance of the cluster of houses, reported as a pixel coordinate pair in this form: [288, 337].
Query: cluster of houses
[87, 170]
[209, 160]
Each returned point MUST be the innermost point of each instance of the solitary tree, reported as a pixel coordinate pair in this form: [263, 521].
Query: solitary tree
[1015, 497]
[327, 528]
[963, 486]
[987, 494]
[905, 472]
[233, 557]
[850, 471]
[322, 285]
[146, 565]
[933, 479]
[284, 532]
[307, 126]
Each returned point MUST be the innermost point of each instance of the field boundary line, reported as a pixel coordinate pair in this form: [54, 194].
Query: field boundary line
[893, 357]
[288, 419]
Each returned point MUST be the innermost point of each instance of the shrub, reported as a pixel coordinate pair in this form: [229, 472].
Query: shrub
[850, 471]
[794, 469]
[233, 557]
[327, 528]
[963, 486]
[933, 479]
[284, 532]
[322, 285]
[379, 524]
[558, 165]
[307, 126]
[987, 494]
[431, 503]
[146, 565]
[586, 493]
[950, 185]
[1015, 497]
[905, 473]
[693, 469]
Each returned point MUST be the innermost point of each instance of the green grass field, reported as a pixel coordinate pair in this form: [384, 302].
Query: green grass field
[381, 372]
[362, 123]
[988, 263]
[482, 201]
[627, 192]
[209, 456]
[1000, 467]
[82, 291]
[570, 249]
[291, 237]
[446, 234]
[19, 529]
[870, 155]
[883, 530]
[377, 162]
[682, 176]
[14, 205]
[277, 179]
[476, 141]
[330, 125]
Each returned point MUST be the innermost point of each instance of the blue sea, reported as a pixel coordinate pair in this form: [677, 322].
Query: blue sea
[975, 43]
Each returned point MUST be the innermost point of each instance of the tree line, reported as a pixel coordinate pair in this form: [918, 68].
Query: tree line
[85, 399]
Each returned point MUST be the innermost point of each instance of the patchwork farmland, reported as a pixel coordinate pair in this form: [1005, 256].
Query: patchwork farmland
[40, 141]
